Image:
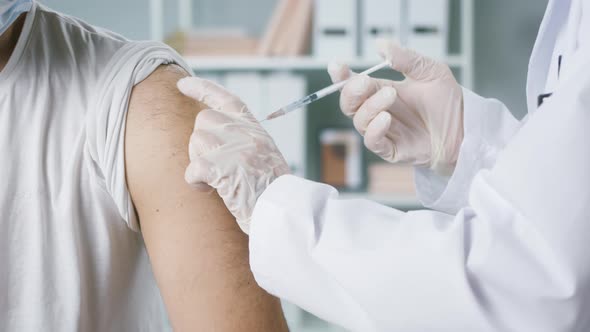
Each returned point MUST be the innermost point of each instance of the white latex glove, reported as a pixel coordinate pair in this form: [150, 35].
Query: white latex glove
[229, 150]
[417, 121]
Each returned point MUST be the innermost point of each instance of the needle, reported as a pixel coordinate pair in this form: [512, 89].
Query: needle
[320, 94]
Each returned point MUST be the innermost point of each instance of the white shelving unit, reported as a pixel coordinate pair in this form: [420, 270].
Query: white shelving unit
[462, 61]
[286, 64]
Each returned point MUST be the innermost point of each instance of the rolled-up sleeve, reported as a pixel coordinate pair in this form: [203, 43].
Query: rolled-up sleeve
[106, 126]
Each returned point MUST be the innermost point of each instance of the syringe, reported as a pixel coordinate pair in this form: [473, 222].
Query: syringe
[320, 94]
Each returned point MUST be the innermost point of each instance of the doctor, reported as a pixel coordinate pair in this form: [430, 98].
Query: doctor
[506, 247]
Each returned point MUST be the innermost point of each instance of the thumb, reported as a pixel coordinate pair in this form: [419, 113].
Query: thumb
[376, 139]
[197, 174]
[339, 72]
[406, 61]
[211, 94]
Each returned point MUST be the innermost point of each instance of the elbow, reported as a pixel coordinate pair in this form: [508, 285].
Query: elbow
[550, 290]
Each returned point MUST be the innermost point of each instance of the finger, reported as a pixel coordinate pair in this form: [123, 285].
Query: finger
[201, 142]
[208, 119]
[339, 72]
[211, 94]
[356, 92]
[405, 60]
[204, 188]
[381, 101]
[223, 123]
[376, 139]
[195, 147]
[198, 175]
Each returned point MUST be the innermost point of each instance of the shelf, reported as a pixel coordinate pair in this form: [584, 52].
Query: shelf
[397, 201]
[285, 64]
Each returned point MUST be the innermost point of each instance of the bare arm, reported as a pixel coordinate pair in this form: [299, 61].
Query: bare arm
[198, 253]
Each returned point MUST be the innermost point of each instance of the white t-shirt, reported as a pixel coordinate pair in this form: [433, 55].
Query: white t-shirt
[71, 258]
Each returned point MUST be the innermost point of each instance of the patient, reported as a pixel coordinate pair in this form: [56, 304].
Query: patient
[93, 137]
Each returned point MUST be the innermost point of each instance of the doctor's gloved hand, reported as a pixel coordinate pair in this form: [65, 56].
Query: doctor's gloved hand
[418, 120]
[229, 150]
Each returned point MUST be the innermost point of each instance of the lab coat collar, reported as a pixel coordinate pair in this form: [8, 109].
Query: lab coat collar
[554, 18]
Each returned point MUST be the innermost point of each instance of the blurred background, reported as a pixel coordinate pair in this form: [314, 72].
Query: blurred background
[271, 52]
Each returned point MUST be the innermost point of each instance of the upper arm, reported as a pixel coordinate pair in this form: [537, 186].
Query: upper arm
[198, 253]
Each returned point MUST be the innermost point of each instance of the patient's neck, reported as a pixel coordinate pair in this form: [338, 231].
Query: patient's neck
[9, 39]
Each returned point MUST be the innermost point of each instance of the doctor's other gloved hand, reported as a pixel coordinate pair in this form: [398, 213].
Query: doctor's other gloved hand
[229, 150]
[416, 121]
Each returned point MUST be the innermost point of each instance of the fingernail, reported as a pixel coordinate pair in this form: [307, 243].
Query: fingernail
[334, 66]
[359, 84]
[389, 93]
[384, 118]
[182, 83]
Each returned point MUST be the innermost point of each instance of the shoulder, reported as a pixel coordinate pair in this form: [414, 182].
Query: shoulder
[159, 124]
[156, 102]
[162, 81]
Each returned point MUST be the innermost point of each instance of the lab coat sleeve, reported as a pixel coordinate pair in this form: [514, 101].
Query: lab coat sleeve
[488, 125]
[514, 259]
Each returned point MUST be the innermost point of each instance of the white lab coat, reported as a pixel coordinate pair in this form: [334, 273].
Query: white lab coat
[507, 247]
